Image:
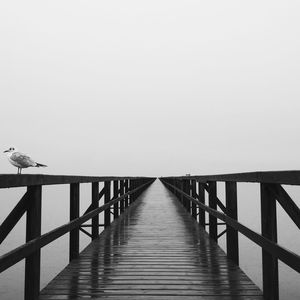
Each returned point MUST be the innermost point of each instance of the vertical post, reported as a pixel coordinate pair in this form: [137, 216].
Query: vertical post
[74, 214]
[269, 230]
[106, 200]
[213, 227]
[201, 192]
[122, 185]
[116, 205]
[186, 189]
[174, 184]
[181, 187]
[131, 187]
[194, 207]
[232, 241]
[33, 230]
[95, 204]
[126, 191]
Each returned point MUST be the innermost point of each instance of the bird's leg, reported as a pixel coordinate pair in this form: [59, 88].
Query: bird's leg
[20, 171]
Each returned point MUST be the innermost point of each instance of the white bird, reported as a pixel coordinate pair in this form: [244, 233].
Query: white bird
[20, 160]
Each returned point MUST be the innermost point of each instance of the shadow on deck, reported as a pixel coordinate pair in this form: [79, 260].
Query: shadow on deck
[155, 250]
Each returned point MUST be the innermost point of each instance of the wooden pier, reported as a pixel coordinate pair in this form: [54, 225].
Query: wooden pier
[155, 251]
[154, 244]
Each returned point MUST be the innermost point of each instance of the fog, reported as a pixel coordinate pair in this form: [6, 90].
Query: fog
[151, 87]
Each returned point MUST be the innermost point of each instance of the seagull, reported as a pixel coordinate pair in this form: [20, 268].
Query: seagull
[20, 160]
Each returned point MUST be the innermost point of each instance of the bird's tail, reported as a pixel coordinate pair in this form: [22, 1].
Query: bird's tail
[40, 165]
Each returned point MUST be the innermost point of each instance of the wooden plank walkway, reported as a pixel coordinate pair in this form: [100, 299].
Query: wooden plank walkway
[154, 251]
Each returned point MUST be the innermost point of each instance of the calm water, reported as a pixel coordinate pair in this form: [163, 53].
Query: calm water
[55, 256]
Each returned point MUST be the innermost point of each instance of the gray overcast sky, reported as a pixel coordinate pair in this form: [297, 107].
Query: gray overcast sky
[151, 87]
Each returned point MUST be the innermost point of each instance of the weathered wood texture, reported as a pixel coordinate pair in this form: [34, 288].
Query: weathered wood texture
[281, 177]
[14, 180]
[9, 259]
[155, 250]
[74, 214]
[33, 230]
[288, 257]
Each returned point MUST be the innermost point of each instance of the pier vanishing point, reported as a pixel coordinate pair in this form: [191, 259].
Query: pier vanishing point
[157, 243]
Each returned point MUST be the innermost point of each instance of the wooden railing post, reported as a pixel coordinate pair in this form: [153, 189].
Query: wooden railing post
[269, 230]
[232, 241]
[213, 227]
[194, 207]
[201, 193]
[107, 200]
[116, 205]
[186, 189]
[174, 184]
[74, 214]
[126, 191]
[95, 204]
[33, 230]
[122, 202]
[132, 197]
[180, 186]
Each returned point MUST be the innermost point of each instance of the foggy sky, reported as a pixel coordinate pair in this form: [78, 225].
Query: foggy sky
[151, 87]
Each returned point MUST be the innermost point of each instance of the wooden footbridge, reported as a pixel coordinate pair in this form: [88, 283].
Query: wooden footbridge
[154, 244]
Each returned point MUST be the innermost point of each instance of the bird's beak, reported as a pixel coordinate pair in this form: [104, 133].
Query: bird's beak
[5, 151]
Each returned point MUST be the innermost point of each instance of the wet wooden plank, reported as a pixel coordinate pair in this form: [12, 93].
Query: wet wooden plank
[155, 250]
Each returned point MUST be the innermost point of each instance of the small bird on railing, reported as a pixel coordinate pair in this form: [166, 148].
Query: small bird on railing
[21, 160]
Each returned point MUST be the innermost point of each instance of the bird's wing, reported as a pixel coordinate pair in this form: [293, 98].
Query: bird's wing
[23, 160]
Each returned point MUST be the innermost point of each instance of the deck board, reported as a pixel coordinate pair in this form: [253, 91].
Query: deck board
[154, 251]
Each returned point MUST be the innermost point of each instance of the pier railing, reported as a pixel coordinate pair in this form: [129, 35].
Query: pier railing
[118, 193]
[190, 190]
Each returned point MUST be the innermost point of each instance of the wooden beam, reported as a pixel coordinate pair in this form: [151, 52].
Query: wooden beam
[213, 227]
[131, 187]
[90, 208]
[232, 238]
[216, 199]
[269, 231]
[14, 180]
[95, 204]
[201, 198]
[286, 202]
[74, 214]
[122, 202]
[181, 189]
[126, 191]
[193, 191]
[288, 257]
[186, 201]
[86, 232]
[116, 194]
[33, 230]
[13, 218]
[107, 201]
[222, 233]
[281, 177]
[9, 259]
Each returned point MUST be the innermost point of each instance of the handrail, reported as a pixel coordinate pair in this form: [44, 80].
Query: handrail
[288, 257]
[14, 256]
[283, 177]
[193, 200]
[125, 192]
[15, 180]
